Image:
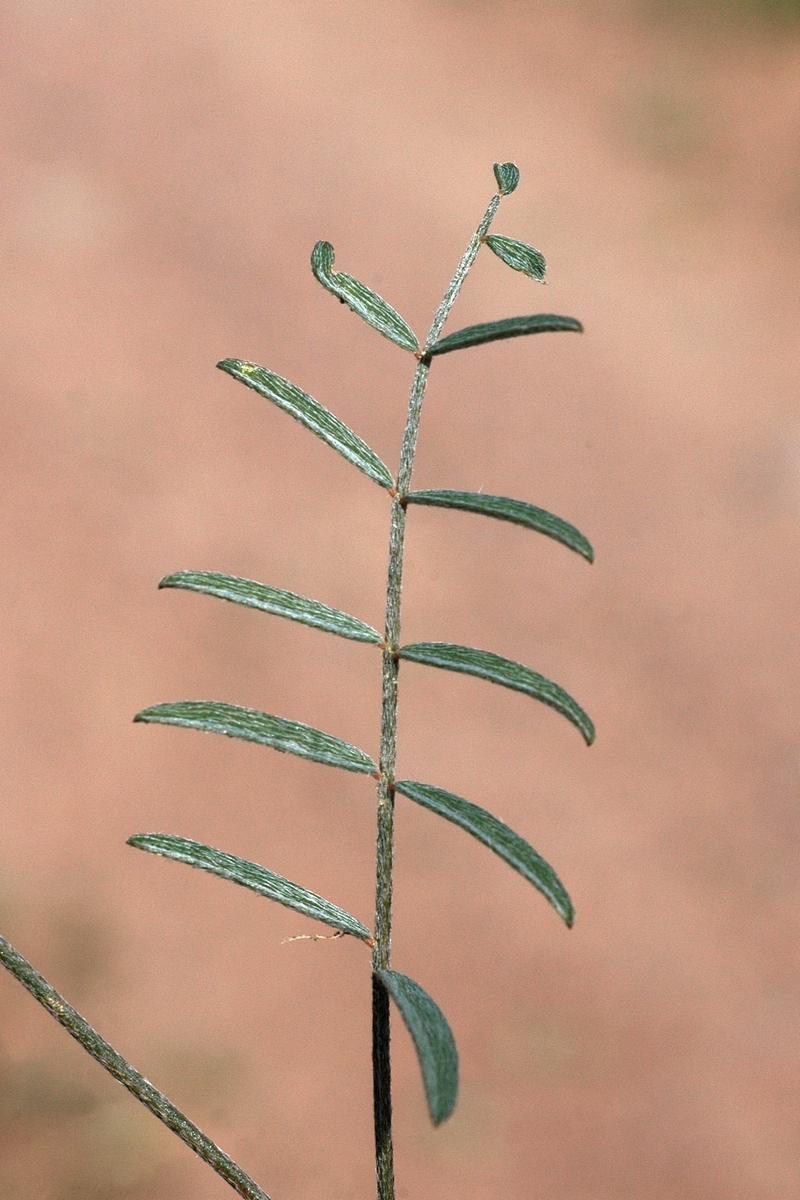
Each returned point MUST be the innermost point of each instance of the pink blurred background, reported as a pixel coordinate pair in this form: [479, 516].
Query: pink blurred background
[166, 170]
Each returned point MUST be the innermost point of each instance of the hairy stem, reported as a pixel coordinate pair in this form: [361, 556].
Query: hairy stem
[127, 1075]
[450, 296]
[381, 955]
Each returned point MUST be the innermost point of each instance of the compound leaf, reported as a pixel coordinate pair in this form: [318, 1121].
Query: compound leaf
[507, 176]
[433, 1039]
[506, 509]
[251, 875]
[361, 299]
[498, 837]
[518, 255]
[273, 600]
[312, 414]
[494, 331]
[250, 725]
[504, 671]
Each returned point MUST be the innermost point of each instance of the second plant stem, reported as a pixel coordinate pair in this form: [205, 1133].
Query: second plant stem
[381, 956]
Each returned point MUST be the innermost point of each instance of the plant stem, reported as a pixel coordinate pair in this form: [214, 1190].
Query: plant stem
[127, 1075]
[381, 956]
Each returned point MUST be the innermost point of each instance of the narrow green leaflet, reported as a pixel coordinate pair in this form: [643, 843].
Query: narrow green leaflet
[507, 176]
[368, 304]
[433, 1039]
[498, 837]
[504, 671]
[275, 601]
[494, 331]
[312, 414]
[518, 255]
[506, 509]
[250, 725]
[251, 875]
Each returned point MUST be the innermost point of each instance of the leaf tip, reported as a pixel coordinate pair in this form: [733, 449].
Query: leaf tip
[237, 368]
[566, 910]
[147, 715]
[507, 176]
[144, 841]
[322, 257]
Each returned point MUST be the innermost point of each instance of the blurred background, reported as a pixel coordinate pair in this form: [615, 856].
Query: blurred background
[166, 169]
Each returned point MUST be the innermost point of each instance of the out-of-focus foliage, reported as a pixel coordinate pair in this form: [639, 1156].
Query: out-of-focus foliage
[767, 11]
[66, 1131]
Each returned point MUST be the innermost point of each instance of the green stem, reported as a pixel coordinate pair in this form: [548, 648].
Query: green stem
[381, 955]
[127, 1075]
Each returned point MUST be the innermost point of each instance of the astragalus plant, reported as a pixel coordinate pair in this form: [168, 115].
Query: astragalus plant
[427, 1025]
